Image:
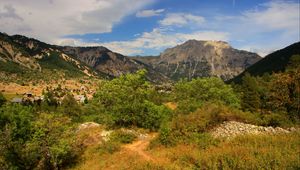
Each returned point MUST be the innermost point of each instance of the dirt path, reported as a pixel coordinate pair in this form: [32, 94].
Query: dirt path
[140, 147]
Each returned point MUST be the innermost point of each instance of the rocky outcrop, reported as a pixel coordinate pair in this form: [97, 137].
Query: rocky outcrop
[10, 53]
[202, 59]
[231, 129]
[31, 55]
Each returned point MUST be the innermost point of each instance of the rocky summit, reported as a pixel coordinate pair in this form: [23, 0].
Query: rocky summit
[202, 59]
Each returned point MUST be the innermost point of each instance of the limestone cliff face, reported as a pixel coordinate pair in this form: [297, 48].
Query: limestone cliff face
[10, 53]
[28, 54]
[202, 59]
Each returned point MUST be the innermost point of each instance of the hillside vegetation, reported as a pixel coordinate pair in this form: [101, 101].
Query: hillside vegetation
[272, 63]
[45, 135]
[24, 60]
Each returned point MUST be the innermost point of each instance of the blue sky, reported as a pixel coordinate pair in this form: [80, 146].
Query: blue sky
[147, 27]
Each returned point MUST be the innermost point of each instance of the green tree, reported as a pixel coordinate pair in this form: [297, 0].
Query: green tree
[127, 100]
[15, 130]
[191, 94]
[70, 106]
[250, 94]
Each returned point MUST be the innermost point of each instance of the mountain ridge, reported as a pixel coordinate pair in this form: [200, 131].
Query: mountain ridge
[274, 62]
[189, 60]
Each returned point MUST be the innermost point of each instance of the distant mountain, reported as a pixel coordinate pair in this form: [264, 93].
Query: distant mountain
[27, 57]
[274, 62]
[201, 59]
[111, 63]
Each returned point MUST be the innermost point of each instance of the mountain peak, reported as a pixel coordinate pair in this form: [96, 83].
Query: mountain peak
[217, 44]
[196, 58]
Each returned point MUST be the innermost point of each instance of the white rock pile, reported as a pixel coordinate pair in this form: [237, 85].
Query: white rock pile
[87, 125]
[231, 129]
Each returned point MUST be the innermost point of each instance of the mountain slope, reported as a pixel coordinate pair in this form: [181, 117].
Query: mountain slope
[274, 62]
[26, 57]
[202, 59]
[111, 63]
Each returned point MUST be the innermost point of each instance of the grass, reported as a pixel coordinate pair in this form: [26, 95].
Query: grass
[243, 152]
[10, 96]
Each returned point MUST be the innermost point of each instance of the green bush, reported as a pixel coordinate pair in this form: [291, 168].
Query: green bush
[2, 99]
[127, 102]
[276, 119]
[191, 94]
[192, 127]
[123, 136]
[31, 140]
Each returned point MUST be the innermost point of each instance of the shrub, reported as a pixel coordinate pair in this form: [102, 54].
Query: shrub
[192, 128]
[276, 119]
[123, 136]
[190, 95]
[127, 101]
[70, 106]
[2, 99]
[35, 141]
[109, 147]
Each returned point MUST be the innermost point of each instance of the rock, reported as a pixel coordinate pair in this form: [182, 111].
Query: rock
[231, 129]
[87, 125]
[292, 129]
[105, 134]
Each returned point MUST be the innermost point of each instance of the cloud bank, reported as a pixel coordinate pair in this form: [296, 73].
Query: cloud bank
[53, 19]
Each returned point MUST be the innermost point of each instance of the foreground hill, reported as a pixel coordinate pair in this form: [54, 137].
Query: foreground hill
[202, 59]
[274, 62]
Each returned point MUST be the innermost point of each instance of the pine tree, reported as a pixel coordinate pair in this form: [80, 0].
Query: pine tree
[250, 94]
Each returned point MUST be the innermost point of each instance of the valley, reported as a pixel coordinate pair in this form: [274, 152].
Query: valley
[201, 104]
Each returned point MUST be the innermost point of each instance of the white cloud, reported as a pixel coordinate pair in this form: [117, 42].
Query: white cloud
[278, 15]
[149, 13]
[52, 19]
[268, 27]
[181, 19]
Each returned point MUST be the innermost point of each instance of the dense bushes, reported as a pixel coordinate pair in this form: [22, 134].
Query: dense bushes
[2, 99]
[126, 101]
[277, 93]
[192, 127]
[35, 140]
[190, 95]
[123, 136]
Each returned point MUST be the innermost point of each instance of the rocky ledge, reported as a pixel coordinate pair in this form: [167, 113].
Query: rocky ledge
[231, 129]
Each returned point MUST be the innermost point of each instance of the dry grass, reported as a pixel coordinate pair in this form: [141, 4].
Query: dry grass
[10, 89]
[244, 152]
[171, 105]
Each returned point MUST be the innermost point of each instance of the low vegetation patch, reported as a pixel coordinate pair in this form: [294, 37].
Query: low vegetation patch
[123, 136]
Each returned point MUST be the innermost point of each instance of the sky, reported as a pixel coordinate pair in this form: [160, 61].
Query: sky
[147, 27]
